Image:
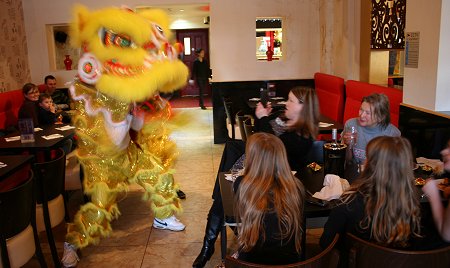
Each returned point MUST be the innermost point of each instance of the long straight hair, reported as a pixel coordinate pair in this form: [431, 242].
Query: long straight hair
[268, 186]
[308, 122]
[392, 208]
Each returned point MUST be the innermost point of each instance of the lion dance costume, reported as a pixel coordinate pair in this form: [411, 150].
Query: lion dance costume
[120, 119]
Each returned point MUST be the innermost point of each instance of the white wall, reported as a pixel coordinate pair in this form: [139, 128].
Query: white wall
[443, 75]
[232, 37]
[428, 85]
[232, 40]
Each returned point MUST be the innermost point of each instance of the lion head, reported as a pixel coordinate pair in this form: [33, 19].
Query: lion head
[127, 54]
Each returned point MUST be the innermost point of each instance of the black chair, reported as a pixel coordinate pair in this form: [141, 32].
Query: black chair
[230, 116]
[248, 127]
[367, 254]
[329, 258]
[19, 238]
[50, 177]
[240, 118]
[315, 154]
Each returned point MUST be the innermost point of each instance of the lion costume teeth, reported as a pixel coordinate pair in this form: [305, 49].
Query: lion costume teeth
[126, 59]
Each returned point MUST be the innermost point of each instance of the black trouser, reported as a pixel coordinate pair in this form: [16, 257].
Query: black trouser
[201, 82]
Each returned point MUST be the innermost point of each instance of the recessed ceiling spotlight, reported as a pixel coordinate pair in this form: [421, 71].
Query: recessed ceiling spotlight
[181, 10]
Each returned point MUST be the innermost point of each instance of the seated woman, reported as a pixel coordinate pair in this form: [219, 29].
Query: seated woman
[374, 120]
[296, 128]
[269, 204]
[29, 108]
[383, 205]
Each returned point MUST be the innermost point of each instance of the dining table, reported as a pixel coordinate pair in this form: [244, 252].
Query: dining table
[46, 138]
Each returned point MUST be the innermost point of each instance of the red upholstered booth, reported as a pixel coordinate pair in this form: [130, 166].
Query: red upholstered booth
[10, 102]
[355, 91]
[330, 91]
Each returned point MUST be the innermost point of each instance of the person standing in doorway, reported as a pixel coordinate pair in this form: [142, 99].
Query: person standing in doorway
[201, 74]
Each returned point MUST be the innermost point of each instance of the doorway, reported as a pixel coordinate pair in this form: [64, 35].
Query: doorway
[193, 39]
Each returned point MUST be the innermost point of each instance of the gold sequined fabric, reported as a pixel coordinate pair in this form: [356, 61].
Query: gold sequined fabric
[111, 160]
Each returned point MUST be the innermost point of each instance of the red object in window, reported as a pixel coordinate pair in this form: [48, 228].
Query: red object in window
[269, 53]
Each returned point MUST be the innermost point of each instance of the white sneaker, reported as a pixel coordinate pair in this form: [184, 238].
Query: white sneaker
[70, 256]
[171, 223]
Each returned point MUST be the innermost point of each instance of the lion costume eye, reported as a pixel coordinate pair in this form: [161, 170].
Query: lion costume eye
[112, 39]
[159, 29]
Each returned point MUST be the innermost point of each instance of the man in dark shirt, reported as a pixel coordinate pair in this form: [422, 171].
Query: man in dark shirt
[58, 96]
[201, 74]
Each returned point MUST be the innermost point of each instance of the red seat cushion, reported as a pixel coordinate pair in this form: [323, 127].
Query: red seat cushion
[356, 90]
[10, 102]
[330, 92]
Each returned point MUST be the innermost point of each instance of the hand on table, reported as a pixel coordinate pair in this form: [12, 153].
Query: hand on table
[262, 111]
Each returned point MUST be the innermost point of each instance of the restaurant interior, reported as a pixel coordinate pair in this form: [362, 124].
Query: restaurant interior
[343, 49]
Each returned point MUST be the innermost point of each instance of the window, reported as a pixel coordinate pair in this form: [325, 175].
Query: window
[269, 38]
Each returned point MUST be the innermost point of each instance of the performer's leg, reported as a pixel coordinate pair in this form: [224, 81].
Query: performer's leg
[161, 190]
[92, 221]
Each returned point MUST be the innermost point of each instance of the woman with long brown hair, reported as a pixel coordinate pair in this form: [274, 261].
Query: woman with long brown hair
[269, 204]
[296, 127]
[383, 204]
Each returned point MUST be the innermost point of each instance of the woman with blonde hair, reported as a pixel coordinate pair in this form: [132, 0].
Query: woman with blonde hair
[268, 204]
[383, 204]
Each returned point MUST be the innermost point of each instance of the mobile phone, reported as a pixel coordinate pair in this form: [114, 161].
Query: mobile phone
[264, 97]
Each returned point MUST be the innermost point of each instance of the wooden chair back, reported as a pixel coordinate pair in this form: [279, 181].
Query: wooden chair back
[240, 119]
[367, 254]
[228, 105]
[328, 258]
[248, 127]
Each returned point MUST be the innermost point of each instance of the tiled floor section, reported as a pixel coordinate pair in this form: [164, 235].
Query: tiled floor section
[134, 242]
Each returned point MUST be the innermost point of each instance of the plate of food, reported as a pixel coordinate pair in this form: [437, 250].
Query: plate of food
[314, 166]
[419, 182]
[443, 183]
[426, 168]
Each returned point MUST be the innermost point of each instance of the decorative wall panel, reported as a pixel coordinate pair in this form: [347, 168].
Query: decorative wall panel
[388, 24]
[14, 67]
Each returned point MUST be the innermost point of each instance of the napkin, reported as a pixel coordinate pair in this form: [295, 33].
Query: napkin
[230, 177]
[64, 128]
[333, 187]
[15, 138]
[36, 129]
[323, 124]
[281, 103]
[254, 99]
[53, 136]
[2, 165]
[277, 98]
